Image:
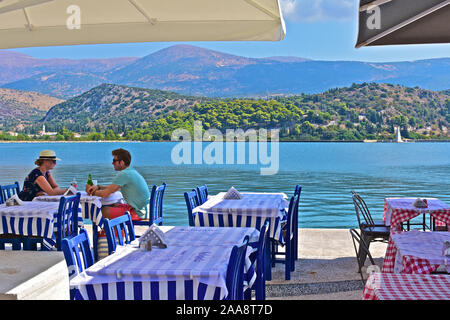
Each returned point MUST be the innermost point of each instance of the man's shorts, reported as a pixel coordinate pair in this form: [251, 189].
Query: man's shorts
[119, 209]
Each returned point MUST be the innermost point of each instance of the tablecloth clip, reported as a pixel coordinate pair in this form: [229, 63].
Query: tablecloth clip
[119, 274]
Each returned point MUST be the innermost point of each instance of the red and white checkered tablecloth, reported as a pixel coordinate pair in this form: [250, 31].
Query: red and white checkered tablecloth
[398, 210]
[388, 286]
[416, 265]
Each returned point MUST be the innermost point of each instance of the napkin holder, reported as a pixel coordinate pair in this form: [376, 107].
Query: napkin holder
[71, 191]
[14, 201]
[232, 194]
[153, 236]
[419, 203]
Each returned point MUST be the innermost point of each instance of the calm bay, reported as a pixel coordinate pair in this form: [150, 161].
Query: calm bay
[327, 172]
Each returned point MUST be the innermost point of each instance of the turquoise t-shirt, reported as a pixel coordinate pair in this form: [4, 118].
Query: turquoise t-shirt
[134, 189]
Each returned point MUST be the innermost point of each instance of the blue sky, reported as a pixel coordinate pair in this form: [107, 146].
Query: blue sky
[316, 29]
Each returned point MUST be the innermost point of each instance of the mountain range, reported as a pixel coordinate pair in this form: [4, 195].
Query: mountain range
[190, 70]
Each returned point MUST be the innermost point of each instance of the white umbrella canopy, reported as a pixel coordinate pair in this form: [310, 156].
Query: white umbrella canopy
[31, 23]
[392, 22]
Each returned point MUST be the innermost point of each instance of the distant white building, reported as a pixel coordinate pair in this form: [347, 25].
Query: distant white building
[398, 136]
[43, 133]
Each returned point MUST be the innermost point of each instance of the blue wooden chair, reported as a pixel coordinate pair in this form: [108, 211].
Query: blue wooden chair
[156, 204]
[67, 218]
[16, 241]
[289, 238]
[155, 207]
[191, 203]
[235, 271]
[259, 256]
[119, 231]
[7, 191]
[298, 191]
[78, 254]
[202, 194]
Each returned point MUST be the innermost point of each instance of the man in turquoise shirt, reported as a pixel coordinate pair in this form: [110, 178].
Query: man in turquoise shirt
[132, 185]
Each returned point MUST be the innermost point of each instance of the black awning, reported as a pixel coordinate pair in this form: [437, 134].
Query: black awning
[391, 22]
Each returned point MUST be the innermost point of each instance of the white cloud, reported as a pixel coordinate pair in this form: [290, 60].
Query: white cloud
[318, 10]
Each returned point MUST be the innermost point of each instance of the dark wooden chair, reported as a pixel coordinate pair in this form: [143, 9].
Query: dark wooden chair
[360, 245]
[371, 230]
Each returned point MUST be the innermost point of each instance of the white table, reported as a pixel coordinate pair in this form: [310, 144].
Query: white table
[192, 267]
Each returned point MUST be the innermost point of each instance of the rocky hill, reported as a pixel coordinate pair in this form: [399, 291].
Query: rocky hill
[115, 106]
[56, 77]
[22, 108]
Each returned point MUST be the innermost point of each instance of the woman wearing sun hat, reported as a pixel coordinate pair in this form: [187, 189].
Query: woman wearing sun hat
[40, 180]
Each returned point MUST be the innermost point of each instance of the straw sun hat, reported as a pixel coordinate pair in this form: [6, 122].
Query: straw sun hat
[47, 155]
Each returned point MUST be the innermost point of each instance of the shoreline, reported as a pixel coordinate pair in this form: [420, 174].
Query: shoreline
[287, 141]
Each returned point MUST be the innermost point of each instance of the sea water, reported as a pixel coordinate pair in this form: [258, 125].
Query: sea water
[327, 172]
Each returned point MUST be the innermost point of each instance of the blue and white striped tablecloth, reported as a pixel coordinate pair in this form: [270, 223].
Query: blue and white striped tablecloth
[177, 272]
[250, 211]
[207, 236]
[90, 206]
[30, 219]
[214, 236]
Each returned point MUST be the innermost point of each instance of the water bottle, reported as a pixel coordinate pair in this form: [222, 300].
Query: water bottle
[89, 182]
[74, 183]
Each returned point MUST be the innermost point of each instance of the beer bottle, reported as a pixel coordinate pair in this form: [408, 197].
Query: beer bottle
[89, 182]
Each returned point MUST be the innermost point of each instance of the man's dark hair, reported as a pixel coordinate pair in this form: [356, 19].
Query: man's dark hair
[122, 154]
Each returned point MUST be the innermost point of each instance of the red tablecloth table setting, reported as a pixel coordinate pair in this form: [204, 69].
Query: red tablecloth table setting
[398, 210]
[390, 286]
[420, 252]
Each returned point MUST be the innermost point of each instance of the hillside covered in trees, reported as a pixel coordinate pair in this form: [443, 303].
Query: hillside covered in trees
[366, 111]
